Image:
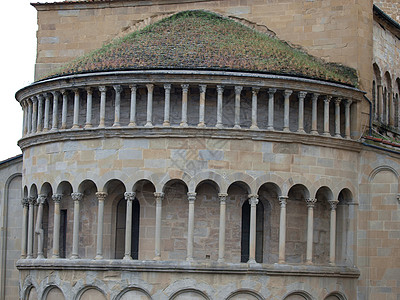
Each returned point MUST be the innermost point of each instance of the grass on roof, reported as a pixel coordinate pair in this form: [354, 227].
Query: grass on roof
[205, 40]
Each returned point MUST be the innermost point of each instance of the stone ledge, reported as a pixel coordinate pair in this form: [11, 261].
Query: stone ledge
[188, 132]
[188, 267]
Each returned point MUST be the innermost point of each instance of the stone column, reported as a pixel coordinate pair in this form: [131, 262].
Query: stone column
[238, 91]
[101, 196]
[39, 226]
[202, 105]
[332, 237]
[222, 223]
[64, 109]
[310, 229]
[54, 125]
[25, 207]
[77, 197]
[56, 232]
[129, 197]
[103, 96]
[30, 112]
[326, 115]
[32, 202]
[379, 105]
[150, 88]
[220, 91]
[159, 198]
[167, 89]
[40, 113]
[337, 117]
[185, 88]
[34, 114]
[302, 95]
[89, 104]
[391, 108]
[46, 111]
[132, 117]
[24, 118]
[76, 109]
[254, 92]
[314, 124]
[253, 201]
[271, 93]
[190, 238]
[282, 230]
[347, 104]
[287, 94]
[117, 109]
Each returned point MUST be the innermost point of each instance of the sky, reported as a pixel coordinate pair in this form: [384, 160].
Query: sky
[18, 53]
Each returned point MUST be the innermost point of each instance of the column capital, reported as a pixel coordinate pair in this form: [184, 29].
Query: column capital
[55, 93]
[327, 98]
[32, 200]
[167, 86]
[117, 88]
[287, 93]
[238, 89]
[25, 202]
[133, 87]
[40, 97]
[283, 200]
[63, 92]
[41, 198]
[311, 202]
[159, 195]
[253, 199]
[150, 87]
[47, 96]
[129, 196]
[101, 196]
[315, 96]
[255, 90]
[337, 101]
[191, 197]
[272, 91]
[302, 94]
[56, 198]
[202, 88]
[222, 197]
[333, 204]
[348, 102]
[89, 90]
[77, 196]
[34, 99]
[185, 87]
[220, 89]
[76, 91]
[102, 89]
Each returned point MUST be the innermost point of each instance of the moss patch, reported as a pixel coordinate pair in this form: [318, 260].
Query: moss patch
[204, 40]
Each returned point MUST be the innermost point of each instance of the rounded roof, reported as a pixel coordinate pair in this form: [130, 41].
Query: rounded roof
[207, 41]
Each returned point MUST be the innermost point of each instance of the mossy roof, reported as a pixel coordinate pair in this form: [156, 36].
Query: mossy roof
[206, 41]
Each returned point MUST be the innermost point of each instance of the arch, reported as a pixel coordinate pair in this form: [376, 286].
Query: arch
[298, 295]
[211, 176]
[90, 293]
[87, 187]
[173, 176]
[272, 179]
[327, 182]
[245, 179]
[191, 293]
[377, 73]
[133, 293]
[335, 296]
[244, 294]
[31, 293]
[382, 168]
[46, 189]
[297, 180]
[208, 182]
[270, 186]
[114, 185]
[171, 182]
[25, 191]
[64, 188]
[53, 293]
[324, 193]
[33, 192]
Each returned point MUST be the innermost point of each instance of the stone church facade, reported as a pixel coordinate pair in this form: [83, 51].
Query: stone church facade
[199, 182]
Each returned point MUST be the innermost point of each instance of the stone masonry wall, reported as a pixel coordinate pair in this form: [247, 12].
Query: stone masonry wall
[390, 7]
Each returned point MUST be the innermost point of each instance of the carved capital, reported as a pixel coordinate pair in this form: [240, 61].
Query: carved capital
[333, 204]
[191, 197]
[63, 92]
[311, 202]
[222, 197]
[101, 196]
[348, 103]
[102, 89]
[77, 196]
[25, 202]
[117, 88]
[76, 92]
[57, 198]
[253, 199]
[337, 101]
[41, 199]
[150, 87]
[255, 90]
[89, 90]
[185, 87]
[272, 91]
[283, 200]
[327, 99]
[133, 88]
[32, 200]
[315, 96]
[40, 97]
[129, 196]
[55, 94]
[287, 93]
[238, 89]
[159, 195]
[220, 89]
[203, 88]
[302, 95]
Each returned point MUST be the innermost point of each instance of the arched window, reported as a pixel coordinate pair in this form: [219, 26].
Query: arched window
[121, 226]
[246, 232]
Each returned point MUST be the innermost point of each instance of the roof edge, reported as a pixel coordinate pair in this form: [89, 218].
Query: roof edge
[380, 13]
[11, 159]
